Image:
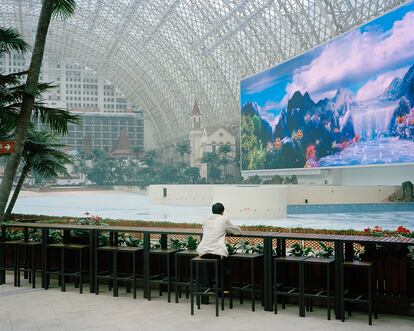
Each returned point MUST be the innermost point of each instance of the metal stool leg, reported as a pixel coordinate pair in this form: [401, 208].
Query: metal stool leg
[168, 279]
[301, 290]
[134, 257]
[33, 267]
[15, 264]
[176, 277]
[328, 289]
[115, 273]
[198, 299]
[18, 264]
[275, 284]
[62, 269]
[216, 276]
[191, 288]
[342, 289]
[223, 274]
[80, 272]
[370, 296]
[1, 264]
[252, 282]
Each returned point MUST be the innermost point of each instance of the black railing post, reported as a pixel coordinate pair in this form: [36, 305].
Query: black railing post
[338, 278]
[164, 241]
[92, 248]
[268, 279]
[45, 239]
[146, 264]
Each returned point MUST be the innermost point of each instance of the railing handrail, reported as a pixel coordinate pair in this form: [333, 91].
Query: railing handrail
[251, 234]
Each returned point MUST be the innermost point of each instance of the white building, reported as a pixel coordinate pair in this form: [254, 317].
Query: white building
[78, 88]
[105, 112]
[209, 139]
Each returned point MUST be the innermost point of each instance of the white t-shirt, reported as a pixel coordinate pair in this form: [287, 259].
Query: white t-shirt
[214, 233]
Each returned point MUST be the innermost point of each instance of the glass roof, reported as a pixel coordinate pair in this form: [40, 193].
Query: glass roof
[165, 54]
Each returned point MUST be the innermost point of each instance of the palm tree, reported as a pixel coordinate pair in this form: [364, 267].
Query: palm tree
[224, 150]
[183, 148]
[101, 172]
[151, 161]
[60, 8]
[137, 150]
[193, 173]
[211, 159]
[42, 154]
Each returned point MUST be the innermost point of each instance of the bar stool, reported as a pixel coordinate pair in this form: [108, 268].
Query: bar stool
[13, 266]
[179, 282]
[251, 285]
[323, 293]
[280, 289]
[114, 275]
[62, 272]
[162, 278]
[203, 290]
[367, 298]
[28, 266]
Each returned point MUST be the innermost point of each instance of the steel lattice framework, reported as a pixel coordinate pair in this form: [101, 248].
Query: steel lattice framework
[164, 54]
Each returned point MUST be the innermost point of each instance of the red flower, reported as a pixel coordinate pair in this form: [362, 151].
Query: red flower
[377, 228]
[402, 229]
[366, 230]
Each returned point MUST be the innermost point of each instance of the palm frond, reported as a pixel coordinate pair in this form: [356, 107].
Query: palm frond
[64, 8]
[57, 119]
[8, 120]
[12, 79]
[10, 40]
[43, 154]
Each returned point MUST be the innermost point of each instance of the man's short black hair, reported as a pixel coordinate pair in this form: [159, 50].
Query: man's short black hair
[217, 208]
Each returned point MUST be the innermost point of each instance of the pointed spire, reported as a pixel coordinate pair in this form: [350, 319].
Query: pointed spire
[196, 109]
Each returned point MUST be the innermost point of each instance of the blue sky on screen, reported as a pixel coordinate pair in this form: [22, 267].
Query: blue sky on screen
[364, 61]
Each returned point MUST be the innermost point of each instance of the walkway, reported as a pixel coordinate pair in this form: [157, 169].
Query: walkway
[24, 309]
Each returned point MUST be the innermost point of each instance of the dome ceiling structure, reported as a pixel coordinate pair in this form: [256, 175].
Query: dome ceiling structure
[165, 54]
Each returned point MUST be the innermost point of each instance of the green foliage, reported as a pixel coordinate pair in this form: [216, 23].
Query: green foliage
[245, 247]
[101, 170]
[276, 179]
[253, 149]
[193, 173]
[254, 180]
[183, 148]
[176, 243]
[14, 235]
[55, 236]
[64, 8]
[326, 251]
[192, 243]
[35, 235]
[232, 248]
[126, 239]
[11, 41]
[298, 250]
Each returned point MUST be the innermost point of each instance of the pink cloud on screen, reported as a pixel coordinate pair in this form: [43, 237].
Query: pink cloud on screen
[357, 57]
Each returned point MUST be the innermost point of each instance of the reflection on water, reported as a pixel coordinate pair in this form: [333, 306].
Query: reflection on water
[132, 206]
[380, 151]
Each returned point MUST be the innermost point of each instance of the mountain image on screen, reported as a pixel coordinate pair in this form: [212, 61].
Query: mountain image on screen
[337, 131]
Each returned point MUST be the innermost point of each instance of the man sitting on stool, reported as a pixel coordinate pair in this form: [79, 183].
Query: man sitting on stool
[215, 227]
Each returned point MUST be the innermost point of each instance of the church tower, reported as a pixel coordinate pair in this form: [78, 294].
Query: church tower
[196, 131]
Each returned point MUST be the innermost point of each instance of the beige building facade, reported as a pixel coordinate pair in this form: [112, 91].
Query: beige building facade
[209, 139]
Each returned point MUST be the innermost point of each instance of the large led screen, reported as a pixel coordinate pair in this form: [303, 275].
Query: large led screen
[349, 102]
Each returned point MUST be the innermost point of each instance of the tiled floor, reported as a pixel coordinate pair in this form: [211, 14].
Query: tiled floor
[27, 309]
